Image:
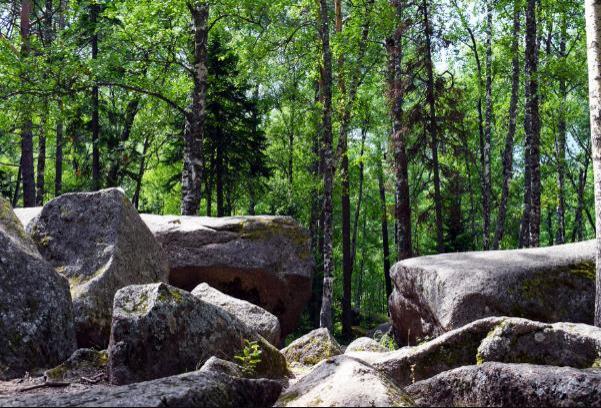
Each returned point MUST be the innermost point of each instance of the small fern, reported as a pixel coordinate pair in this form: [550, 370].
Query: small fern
[250, 357]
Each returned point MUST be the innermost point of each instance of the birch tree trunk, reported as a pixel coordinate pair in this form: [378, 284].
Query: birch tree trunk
[593, 34]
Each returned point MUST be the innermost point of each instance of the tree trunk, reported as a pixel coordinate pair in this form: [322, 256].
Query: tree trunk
[27, 165]
[328, 168]
[219, 181]
[486, 175]
[41, 170]
[140, 176]
[384, 215]
[60, 126]
[96, 182]
[532, 120]
[593, 34]
[360, 198]
[560, 143]
[195, 118]
[15, 198]
[396, 85]
[513, 107]
[118, 159]
[432, 126]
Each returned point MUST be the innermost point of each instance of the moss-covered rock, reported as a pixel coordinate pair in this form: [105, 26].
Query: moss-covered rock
[84, 363]
[365, 344]
[36, 313]
[312, 348]
[159, 330]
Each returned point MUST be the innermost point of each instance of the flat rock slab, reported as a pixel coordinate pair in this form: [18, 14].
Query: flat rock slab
[435, 294]
[263, 259]
[499, 385]
[195, 389]
[36, 313]
[344, 381]
[98, 241]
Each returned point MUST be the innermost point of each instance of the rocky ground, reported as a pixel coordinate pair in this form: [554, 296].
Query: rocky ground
[102, 307]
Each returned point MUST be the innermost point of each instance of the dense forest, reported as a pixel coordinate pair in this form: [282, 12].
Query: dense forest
[388, 128]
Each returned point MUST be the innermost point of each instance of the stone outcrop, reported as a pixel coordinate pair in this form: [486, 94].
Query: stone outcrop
[516, 385]
[160, 330]
[435, 294]
[98, 241]
[344, 381]
[255, 317]
[264, 260]
[195, 389]
[365, 344]
[494, 339]
[36, 313]
[312, 348]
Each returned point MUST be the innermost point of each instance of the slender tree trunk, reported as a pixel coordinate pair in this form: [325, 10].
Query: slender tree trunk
[328, 170]
[195, 119]
[533, 123]
[384, 215]
[593, 34]
[560, 143]
[486, 176]
[141, 170]
[432, 126]
[96, 182]
[360, 198]
[27, 162]
[41, 170]
[513, 107]
[60, 126]
[15, 198]
[118, 159]
[219, 181]
[395, 48]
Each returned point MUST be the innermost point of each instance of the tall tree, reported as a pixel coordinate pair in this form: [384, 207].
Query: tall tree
[560, 141]
[593, 34]
[95, 125]
[512, 117]
[486, 174]
[328, 165]
[27, 170]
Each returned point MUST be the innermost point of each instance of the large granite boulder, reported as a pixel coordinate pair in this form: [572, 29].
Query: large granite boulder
[255, 317]
[344, 381]
[435, 294]
[365, 344]
[510, 385]
[498, 339]
[264, 260]
[160, 330]
[98, 241]
[195, 389]
[36, 313]
[312, 348]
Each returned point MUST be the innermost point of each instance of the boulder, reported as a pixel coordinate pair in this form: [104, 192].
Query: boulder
[264, 260]
[98, 241]
[217, 365]
[498, 385]
[435, 294]
[160, 330]
[312, 348]
[83, 365]
[195, 389]
[498, 339]
[365, 344]
[255, 317]
[344, 381]
[36, 313]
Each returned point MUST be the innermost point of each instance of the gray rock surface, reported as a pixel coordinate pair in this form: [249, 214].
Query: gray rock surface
[494, 339]
[264, 260]
[217, 365]
[515, 385]
[83, 364]
[344, 381]
[98, 241]
[160, 330]
[255, 317]
[36, 313]
[365, 344]
[195, 389]
[435, 294]
[312, 348]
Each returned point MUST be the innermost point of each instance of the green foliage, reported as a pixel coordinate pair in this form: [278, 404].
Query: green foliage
[250, 357]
